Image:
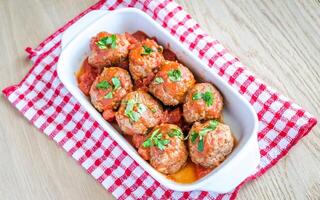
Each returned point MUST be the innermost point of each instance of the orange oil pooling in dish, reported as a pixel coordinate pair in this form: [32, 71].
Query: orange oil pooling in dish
[185, 175]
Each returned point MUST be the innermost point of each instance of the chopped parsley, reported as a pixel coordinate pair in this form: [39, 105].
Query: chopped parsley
[175, 75]
[108, 96]
[207, 97]
[156, 140]
[116, 83]
[197, 96]
[176, 132]
[194, 135]
[158, 80]
[109, 41]
[103, 85]
[134, 115]
[146, 50]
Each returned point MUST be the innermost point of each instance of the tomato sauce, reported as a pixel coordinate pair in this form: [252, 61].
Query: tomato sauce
[86, 75]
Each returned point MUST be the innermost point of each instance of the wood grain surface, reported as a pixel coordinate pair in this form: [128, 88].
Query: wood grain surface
[279, 40]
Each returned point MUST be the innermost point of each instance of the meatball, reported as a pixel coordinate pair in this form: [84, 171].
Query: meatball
[145, 58]
[203, 101]
[138, 112]
[171, 83]
[168, 153]
[210, 143]
[108, 89]
[108, 49]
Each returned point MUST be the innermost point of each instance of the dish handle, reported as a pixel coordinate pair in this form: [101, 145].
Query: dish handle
[234, 174]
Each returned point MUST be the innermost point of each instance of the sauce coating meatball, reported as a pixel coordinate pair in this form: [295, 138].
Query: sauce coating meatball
[168, 153]
[145, 58]
[210, 143]
[138, 112]
[203, 101]
[108, 89]
[171, 83]
[108, 49]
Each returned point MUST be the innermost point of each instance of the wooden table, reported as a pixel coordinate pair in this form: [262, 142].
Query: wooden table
[278, 40]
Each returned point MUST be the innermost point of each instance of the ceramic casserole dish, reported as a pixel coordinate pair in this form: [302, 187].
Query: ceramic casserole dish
[237, 112]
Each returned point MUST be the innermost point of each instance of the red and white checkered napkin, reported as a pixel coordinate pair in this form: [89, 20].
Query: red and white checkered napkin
[43, 100]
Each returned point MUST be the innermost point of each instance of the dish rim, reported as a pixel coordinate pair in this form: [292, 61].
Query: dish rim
[164, 180]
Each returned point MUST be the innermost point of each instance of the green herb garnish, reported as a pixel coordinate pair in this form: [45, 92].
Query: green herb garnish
[197, 96]
[200, 145]
[175, 75]
[109, 41]
[158, 80]
[156, 140]
[134, 115]
[141, 108]
[108, 96]
[103, 85]
[116, 83]
[194, 135]
[177, 133]
[207, 97]
[146, 50]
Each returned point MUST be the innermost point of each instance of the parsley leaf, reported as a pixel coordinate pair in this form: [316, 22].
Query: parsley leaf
[156, 140]
[141, 108]
[108, 96]
[129, 112]
[176, 132]
[194, 135]
[200, 145]
[133, 115]
[196, 96]
[130, 105]
[175, 75]
[207, 97]
[116, 83]
[146, 50]
[109, 41]
[158, 80]
[147, 143]
[103, 85]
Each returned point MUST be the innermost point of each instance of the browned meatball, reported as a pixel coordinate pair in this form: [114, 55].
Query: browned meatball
[203, 101]
[109, 88]
[108, 49]
[210, 143]
[138, 112]
[168, 153]
[145, 58]
[171, 83]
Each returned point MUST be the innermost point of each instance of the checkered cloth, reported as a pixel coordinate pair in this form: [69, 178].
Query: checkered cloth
[44, 101]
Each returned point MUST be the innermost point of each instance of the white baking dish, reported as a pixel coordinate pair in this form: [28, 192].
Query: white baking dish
[238, 113]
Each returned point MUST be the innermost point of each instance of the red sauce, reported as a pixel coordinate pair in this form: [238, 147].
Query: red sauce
[86, 75]
[169, 55]
[139, 35]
